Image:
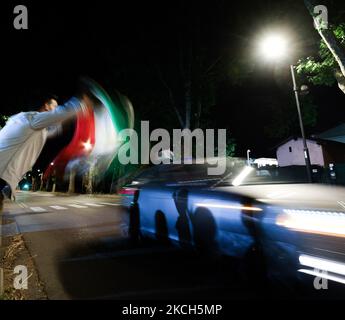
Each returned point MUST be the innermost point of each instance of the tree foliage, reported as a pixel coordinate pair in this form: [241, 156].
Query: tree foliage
[321, 69]
[3, 120]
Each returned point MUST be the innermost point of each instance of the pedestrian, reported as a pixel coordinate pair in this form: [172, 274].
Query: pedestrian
[24, 135]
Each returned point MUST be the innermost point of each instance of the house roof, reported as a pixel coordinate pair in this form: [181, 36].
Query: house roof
[313, 138]
[287, 140]
[336, 134]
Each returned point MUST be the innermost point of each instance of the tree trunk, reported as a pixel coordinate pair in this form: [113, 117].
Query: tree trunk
[333, 46]
[89, 183]
[188, 102]
[171, 97]
[341, 80]
[330, 40]
[71, 185]
[198, 113]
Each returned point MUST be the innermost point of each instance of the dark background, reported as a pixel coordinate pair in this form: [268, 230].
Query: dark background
[118, 43]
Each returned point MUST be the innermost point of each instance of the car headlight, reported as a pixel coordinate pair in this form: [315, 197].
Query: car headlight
[310, 221]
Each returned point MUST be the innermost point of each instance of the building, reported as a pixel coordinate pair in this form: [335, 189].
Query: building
[263, 162]
[322, 151]
[336, 134]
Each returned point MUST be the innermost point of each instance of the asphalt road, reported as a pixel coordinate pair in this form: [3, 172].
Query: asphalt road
[80, 251]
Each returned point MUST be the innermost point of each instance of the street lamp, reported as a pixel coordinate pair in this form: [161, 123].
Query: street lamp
[275, 47]
[248, 157]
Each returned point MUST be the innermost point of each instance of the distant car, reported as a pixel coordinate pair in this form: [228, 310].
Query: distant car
[25, 185]
[128, 191]
[295, 229]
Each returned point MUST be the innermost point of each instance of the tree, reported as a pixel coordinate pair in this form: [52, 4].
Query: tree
[3, 120]
[191, 84]
[329, 67]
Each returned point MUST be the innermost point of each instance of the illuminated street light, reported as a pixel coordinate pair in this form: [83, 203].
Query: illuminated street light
[52, 163]
[275, 47]
[248, 157]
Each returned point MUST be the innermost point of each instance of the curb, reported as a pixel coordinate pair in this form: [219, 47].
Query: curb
[2, 252]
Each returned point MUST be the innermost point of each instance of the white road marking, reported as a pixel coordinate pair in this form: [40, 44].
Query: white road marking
[94, 205]
[58, 208]
[110, 204]
[342, 204]
[77, 206]
[38, 209]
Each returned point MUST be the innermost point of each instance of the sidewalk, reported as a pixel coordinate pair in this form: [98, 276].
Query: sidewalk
[2, 253]
[14, 252]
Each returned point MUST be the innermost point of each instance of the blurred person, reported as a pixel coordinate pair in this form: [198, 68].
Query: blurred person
[24, 136]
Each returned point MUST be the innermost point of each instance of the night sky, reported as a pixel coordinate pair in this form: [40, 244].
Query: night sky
[118, 42]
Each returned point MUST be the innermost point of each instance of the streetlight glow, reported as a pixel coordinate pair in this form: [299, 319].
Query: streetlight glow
[273, 47]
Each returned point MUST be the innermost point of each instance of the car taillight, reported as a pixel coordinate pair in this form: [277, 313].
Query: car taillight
[128, 191]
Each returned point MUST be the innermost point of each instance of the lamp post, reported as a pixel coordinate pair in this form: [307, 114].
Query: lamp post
[248, 157]
[274, 47]
[305, 146]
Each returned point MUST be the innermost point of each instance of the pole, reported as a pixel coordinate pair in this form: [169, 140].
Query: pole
[305, 147]
[248, 159]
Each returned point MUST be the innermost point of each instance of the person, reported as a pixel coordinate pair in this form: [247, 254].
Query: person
[24, 135]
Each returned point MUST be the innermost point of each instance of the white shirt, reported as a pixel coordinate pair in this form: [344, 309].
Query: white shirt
[23, 138]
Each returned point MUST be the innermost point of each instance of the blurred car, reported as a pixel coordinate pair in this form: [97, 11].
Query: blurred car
[292, 229]
[25, 185]
[128, 191]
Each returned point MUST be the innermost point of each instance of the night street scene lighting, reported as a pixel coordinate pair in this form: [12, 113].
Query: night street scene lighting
[151, 154]
[275, 47]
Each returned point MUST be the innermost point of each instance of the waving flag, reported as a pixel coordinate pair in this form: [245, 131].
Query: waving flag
[95, 141]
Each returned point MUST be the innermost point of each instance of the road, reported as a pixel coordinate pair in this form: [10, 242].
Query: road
[80, 252]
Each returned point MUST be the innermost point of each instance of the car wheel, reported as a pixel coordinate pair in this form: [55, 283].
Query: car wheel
[162, 233]
[204, 232]
[253, 267]
[134, 223]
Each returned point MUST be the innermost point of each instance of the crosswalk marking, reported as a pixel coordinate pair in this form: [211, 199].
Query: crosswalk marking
[58, 208]
[94, 205]
[110, 204]
[342, 204]
[37, 209]
[65, 207]
[77, 206]
[22, 205]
